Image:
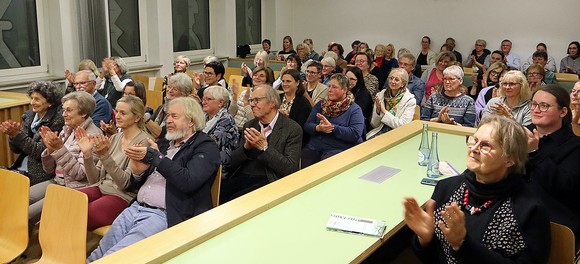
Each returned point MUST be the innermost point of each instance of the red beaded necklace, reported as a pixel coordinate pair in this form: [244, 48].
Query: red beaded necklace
[472, 209]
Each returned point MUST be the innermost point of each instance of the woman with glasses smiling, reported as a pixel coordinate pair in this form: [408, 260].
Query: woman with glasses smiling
[395, 106]
[514, 98]
[486, 214]
[450, 106]
[553, 168]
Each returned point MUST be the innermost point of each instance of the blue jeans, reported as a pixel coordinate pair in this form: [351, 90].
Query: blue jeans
[135, 223]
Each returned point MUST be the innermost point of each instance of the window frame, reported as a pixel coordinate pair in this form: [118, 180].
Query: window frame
[43, 47]
[201, 53]
[143, 40]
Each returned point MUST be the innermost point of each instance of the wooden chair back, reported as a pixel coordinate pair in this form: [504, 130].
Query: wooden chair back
[563, 245]
[14, 194]
[158, 84]
[215, 188]
[231, 71]
[566, 77]
[63, 226]
[142, 78]
[417, 114]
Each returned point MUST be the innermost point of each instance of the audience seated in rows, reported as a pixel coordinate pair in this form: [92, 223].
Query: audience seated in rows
[180, 65]
[426, 56]
[85, 64]
[415, 85]
[512, 60]
[493, 76]
[328, 67]
[287, 48]
[85, 81]
[260, 60]
[364, 61]
[313, 55]
[292, 63]
[315, 90]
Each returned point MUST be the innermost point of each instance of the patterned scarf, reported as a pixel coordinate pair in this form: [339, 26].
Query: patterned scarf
[332, 109]
[391, 101]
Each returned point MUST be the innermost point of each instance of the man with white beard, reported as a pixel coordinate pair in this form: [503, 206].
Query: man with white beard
[174, 178]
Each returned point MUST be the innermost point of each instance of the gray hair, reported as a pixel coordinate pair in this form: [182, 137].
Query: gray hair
[482, 42]
[86, 102]
[192, 110]
[184, 58]
[341, 79]
[329, 60]
[455, 71]
[402, 73]
[271, 94]
[91, 75]
[409, 56]
[209, 59]
[219, 93]
[512, 138]
[331, 54]
[121, 64]
[183, 82]
[403, 51]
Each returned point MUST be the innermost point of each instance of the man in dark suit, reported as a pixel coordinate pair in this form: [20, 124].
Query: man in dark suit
[269, 150]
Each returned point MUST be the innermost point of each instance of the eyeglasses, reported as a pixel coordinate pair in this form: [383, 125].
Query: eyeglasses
[360, 61]
[207, 100]
[542, 106]
[311, 72]
[483, 146]
[255, 100]
[80, 83]
[495, 73]
[395, 79]
[533, 74]
[509, 84]
[450, 79]
[172, 88]
[69, 110]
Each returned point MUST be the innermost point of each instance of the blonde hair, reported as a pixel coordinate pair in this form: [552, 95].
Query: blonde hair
[519, 77]
[392, 51]
[512, 138]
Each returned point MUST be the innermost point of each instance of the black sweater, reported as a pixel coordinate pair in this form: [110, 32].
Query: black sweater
[514, 229]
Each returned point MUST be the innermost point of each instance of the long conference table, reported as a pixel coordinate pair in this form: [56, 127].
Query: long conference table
[285, 221]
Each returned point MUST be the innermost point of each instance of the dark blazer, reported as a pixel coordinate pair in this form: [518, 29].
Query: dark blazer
[283, 154]
[189, 176]
[103, 110]
[299, 113]
[28, 143]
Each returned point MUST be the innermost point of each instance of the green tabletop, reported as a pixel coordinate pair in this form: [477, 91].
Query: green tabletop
[294, 231]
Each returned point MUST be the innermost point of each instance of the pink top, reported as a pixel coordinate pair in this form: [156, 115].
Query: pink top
[433, 81]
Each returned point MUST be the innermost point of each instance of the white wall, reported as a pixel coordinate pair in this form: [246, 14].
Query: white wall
[403, 23]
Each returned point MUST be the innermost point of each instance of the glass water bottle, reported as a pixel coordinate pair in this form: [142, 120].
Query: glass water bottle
[424, 147]
[433, 161]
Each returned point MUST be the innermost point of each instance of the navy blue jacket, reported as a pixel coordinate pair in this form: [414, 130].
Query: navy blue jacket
[189, 176]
